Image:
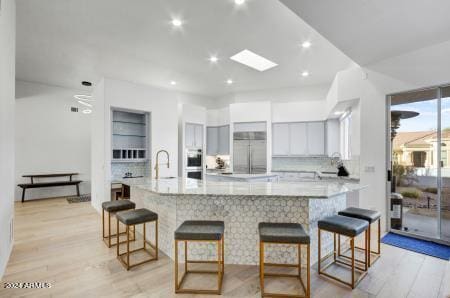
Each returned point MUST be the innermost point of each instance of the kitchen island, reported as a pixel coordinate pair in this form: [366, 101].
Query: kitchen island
[241, 205]
[230, 177]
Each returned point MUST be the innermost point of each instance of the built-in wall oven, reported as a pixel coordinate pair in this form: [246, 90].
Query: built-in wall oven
[194, 163]
[194, 158]
[194, 174]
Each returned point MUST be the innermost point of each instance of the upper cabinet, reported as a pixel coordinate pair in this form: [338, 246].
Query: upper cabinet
[316, 138]
[212, 140]
[194, 135]
[218, 140]
[298, 139]
[280, 139]
[224, 140]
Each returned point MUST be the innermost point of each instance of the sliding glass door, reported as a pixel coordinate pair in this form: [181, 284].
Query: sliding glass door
[445, 163]
[420, 162]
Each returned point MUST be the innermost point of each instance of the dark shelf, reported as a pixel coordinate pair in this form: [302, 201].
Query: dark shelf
[129, 122]
[121, 135]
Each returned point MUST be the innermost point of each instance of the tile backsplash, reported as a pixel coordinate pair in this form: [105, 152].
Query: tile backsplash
[118, 169]
[313, 164]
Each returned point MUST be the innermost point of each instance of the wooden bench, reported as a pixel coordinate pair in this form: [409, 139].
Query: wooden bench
[25, 186]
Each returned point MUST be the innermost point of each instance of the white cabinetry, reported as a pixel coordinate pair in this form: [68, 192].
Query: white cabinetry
[212, 140]
[194, 135]
[224, 140]
[280, 139]
[298, 139]
[218, 140]
[316, 138]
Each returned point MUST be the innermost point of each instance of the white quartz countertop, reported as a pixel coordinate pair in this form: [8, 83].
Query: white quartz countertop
[182, 186]
[244, 176]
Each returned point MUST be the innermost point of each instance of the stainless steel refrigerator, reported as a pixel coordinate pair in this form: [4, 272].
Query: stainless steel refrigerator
[250, 152]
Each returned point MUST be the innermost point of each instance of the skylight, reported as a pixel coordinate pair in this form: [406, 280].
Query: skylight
[253, 60]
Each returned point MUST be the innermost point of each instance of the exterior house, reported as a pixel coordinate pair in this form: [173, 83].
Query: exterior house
[418, 149]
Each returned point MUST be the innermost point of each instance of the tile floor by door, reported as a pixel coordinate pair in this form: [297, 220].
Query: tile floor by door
[60, 243]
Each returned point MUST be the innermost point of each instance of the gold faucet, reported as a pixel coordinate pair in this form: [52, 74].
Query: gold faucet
[157, 162]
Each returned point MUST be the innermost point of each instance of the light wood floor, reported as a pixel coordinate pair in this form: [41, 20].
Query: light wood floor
[60, 243]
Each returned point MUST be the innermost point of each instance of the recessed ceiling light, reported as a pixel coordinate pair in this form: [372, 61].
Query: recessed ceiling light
[87, 111]
[83, 97]
[85, 103]
[229, 81]
[177, 22]
[306, 44]
[305, 74]
[239, 2]
[173, 83]
[253, 60]
[213, 59]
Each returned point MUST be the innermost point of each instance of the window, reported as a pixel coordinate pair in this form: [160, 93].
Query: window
[346, 126]
[444, 158]
[418, 159]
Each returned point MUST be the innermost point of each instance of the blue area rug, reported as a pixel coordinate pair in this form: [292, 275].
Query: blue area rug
[421, 246]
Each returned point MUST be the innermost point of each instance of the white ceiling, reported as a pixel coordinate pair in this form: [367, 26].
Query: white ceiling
[64, 42]
[373, 30]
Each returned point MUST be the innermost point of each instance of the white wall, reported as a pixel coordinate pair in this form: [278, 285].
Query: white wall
[163, 106]
[299, 111]
[218, 117]
[7, 77]
[50, 138]
[291, 94]
[422, 68]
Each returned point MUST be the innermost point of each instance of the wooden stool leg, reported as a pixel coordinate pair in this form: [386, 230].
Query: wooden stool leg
[261, 266]
[117, 237]
[223, 254]
[176, 266]
[334, 246]
[352, 244]
[219, 264]
[368, 243]
[156, 239]
[143, 233]
[319, 249]
[185, 256]
[299, 248]
[308, 274]
[379, 235]
[103, 224]
[109, 230]
[128, 247]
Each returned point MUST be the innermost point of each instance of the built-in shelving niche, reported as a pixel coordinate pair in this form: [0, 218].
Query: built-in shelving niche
[129, 136]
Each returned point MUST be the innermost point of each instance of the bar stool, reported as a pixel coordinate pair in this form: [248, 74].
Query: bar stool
[200, 231]
[371, 216]
[113, 207]
[133, 218]
[349, 227]
[284, 233]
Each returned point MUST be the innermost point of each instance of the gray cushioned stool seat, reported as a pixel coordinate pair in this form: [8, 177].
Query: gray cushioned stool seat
[365, 214]
[119, 205]
[282, 232]
[137, 216]
[200, 230]
[343, 225]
